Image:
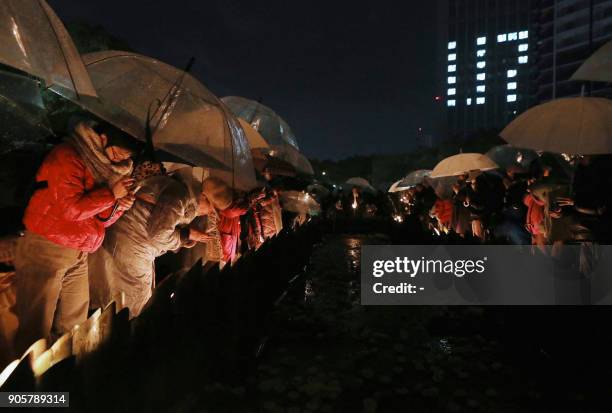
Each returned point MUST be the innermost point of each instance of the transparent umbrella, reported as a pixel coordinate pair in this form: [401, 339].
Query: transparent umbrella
[187, 120]
[415, 177]
[361, 183]
[300, 202]
[23, 121]
[36, 52]
[34, 41]
[263, 119]
[507, 155]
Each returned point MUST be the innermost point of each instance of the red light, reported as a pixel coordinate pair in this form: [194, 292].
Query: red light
[438, 98]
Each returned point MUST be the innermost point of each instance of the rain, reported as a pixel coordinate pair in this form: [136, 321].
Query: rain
[206, 207]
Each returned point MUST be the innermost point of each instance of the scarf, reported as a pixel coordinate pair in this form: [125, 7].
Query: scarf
[88, 145]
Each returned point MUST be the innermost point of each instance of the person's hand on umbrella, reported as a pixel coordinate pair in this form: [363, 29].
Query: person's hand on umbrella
[126, 202]
[122, 187]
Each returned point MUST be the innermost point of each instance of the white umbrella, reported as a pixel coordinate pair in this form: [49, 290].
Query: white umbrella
[598, 67]
[463, 163]
[581, 125]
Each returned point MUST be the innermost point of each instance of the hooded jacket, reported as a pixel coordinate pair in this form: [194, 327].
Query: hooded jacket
[64, 212]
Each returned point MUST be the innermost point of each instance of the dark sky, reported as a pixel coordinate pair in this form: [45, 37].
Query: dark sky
[349, 78]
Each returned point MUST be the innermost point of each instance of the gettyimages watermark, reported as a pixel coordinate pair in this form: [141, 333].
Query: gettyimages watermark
[485, 275]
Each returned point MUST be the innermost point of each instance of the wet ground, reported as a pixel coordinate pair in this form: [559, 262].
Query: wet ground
[327, 353]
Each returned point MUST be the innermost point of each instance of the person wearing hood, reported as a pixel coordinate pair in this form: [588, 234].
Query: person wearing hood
[229, 210]
[123, 270]
[77, 186]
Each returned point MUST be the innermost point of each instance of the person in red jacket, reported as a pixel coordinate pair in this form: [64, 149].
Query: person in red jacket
[77, 185]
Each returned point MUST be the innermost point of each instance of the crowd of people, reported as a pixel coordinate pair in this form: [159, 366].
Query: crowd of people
[99, 216]
[548, 203]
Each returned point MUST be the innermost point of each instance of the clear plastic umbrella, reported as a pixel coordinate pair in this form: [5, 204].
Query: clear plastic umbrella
[415, 177]
[34, 40]
[263, 119]
[23, 121]
[507, 156]
[299, 202]
[463, 163]
[187, 120]
[581, 125]
[361, 183]
[598, 67]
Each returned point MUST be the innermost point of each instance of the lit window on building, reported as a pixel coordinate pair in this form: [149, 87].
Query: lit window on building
[522, 59]
[501, 37]
[480, 88]
[451, 91]
[480, 53]
[452, 80]
[468, 101]
[480, 76]
[452, 45]
[452, 56]
[452, 68]
[512, 36]
[511, 98]
[511, 85]
[512, 73]
[450, 102]
[480, 65]
[481, 40]
[523, 47]
[523, 35]
[480, 100]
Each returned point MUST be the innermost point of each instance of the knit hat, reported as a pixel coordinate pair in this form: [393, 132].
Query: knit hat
[217, 192]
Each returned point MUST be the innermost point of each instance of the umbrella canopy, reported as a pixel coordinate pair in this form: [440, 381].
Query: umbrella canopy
[507, 156]
[579, 125]
[294, 157]
[263, 119]
[277, 166]
[187, 120]
[415, 177]
[443, 186]
[300, 202]
[598, 67]
[23, 119]
[256, 141]
[463, 163]
[361, 183]
[397, 187]
[34, 40]
[318, 190]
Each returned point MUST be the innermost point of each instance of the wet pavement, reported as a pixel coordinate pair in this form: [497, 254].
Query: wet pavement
[328, 353]
[325, 352]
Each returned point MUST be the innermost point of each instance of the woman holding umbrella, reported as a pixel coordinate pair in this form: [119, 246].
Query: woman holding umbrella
[78, 184]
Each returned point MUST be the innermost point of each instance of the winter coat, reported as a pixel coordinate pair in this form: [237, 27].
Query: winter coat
[535, 214]
[271, 217]
[65, 210]
[229, 229]
[443, 210]
[123, 269]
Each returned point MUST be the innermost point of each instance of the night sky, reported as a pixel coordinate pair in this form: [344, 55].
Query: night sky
[350, 78]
